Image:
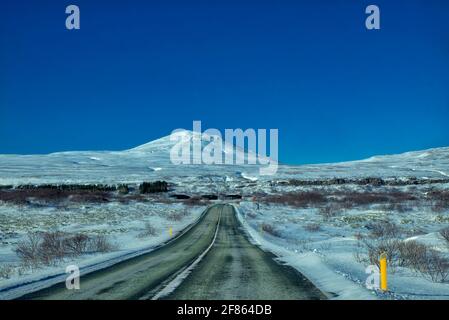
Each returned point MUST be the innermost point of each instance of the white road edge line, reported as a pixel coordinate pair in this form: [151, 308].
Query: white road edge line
[18, 290]
[345, 288]
[172, 285]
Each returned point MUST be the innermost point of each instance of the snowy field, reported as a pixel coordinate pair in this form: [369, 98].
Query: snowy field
[129, 229]
[330, 248]
[327, 220]
[151, 162]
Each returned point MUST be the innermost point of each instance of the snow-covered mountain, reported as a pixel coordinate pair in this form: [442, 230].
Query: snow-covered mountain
[151, 161]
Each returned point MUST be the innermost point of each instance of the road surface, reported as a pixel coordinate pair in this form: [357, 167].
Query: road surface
[213, 259]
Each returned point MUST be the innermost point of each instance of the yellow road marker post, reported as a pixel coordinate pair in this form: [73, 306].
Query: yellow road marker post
[170, 231]
[383, 272]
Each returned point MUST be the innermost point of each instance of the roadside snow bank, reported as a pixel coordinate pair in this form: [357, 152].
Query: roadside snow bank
[310, 264]
[126, 237]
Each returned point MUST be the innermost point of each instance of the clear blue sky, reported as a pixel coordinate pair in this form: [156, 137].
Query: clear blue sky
[139, 69]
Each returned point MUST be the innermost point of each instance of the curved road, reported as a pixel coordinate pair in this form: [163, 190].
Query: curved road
[231, 268]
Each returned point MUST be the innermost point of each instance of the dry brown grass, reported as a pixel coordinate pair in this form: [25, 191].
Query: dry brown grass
[296, 199]
[47, 196]
[337, 201]
[47, 248]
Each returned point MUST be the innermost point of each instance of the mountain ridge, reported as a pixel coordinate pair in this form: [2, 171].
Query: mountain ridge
[151, 161]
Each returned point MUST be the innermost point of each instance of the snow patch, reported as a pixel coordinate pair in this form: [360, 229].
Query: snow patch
[334, 285]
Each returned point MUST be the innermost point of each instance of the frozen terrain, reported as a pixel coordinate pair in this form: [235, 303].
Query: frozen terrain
[325, 237]
[151, 161]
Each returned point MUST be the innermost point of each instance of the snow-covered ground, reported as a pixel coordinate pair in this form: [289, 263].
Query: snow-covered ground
[124, 225]
[151, 161]
[328, 251]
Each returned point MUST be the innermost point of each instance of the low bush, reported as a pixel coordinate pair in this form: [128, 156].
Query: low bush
[377, 247]
[270, 229]
[445, 234]
[437, 266]
[100, 243]
[384, 229]
[196, 201]
[440, 206]
[393, 200]
[148, 231]
[6, 271]
[176, 215]
[153, 187]
[47, 248]
[410, 254]
[296, 199]
[47, 195]
[330, 210]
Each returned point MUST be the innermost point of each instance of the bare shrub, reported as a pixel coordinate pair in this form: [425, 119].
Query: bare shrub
[359, 256]
[6, 271]
[440, 200]
[329, 211]
[45, 195]
[48, 248]
[393, 200]
[397, 207]
[100, 244]
[437, 266]
[196, 201]
[51, 247]
[148, 231]
[28, 249]
[412, 254]
[377, 247]
[445, 234]
[440, 206]
[384, 229]
[176, 216]
[304, 244]
[358, 236]
[312, 227]
[442, 195]
[296, 199]
[353, 199]
[325, 246]
[77, 244]
[270, 229]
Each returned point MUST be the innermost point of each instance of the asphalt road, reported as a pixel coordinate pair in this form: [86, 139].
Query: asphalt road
[231, 268]
[236, 269]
